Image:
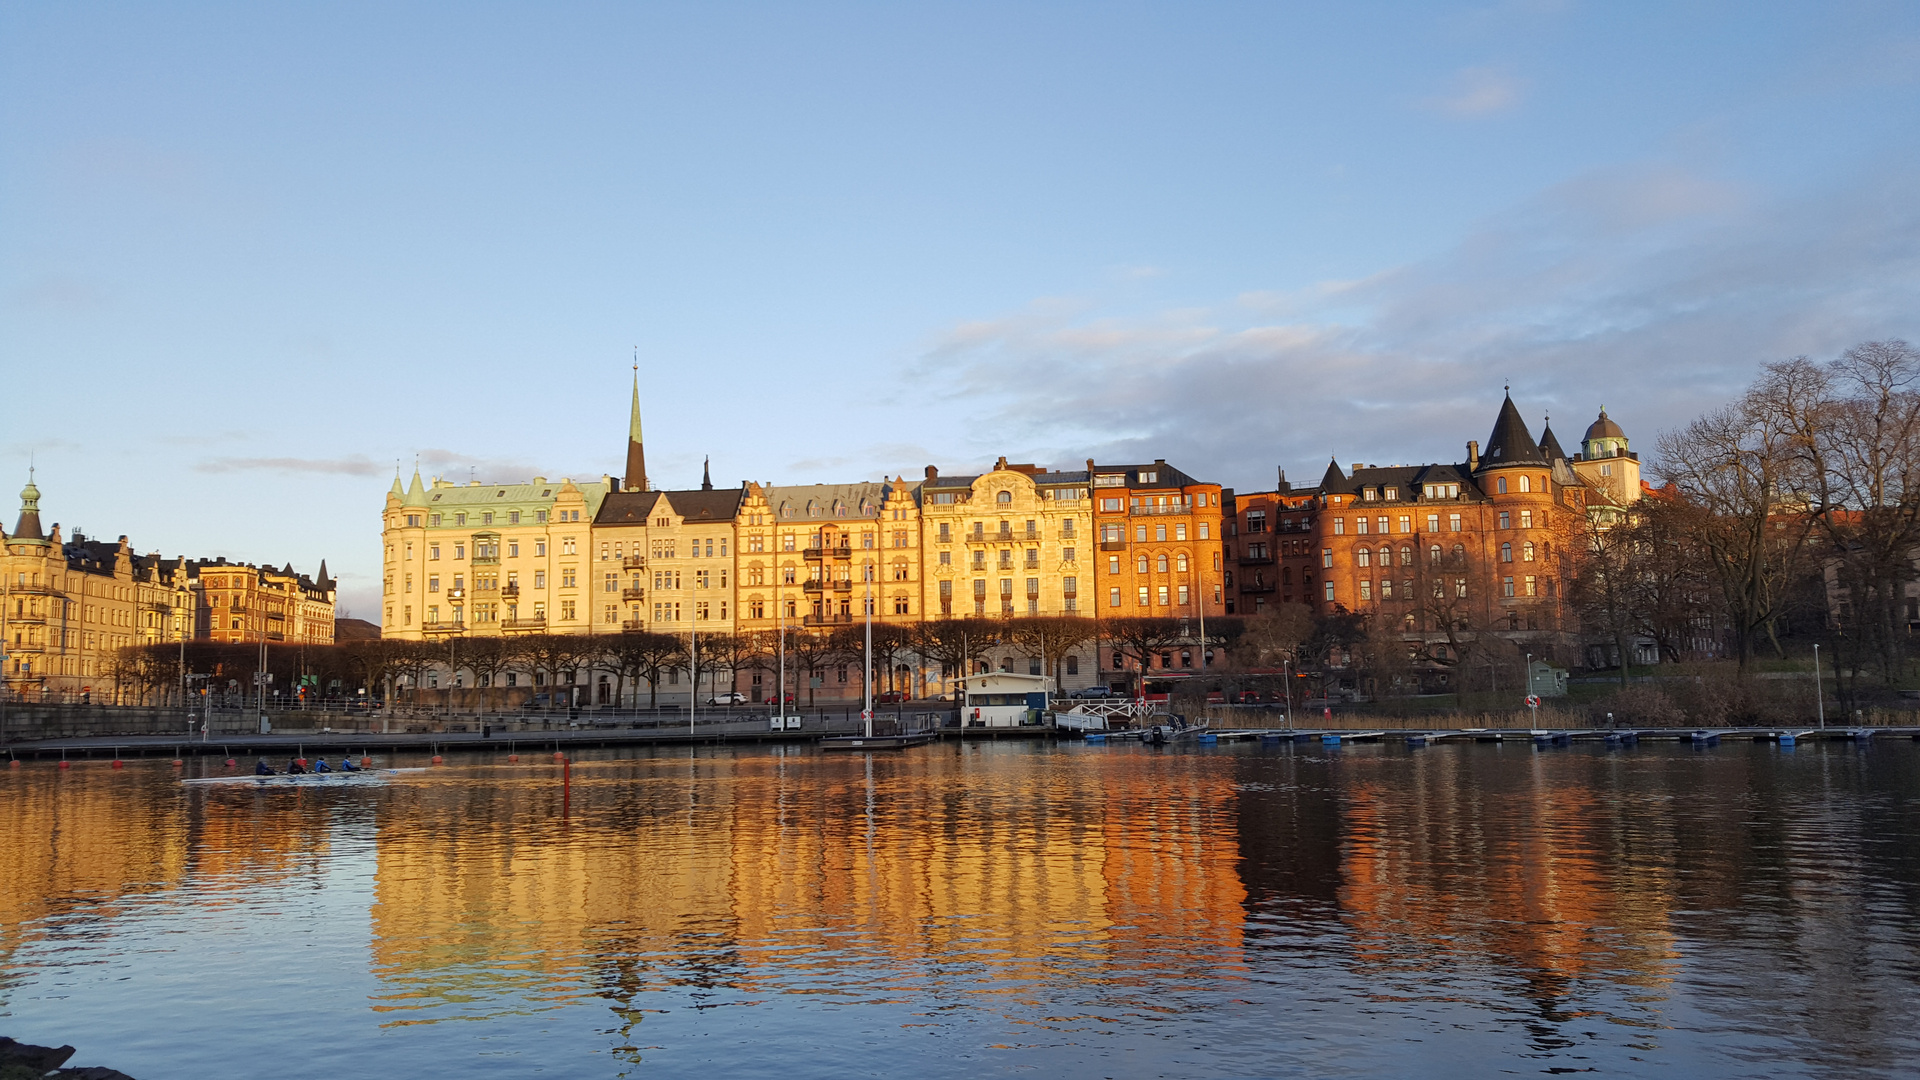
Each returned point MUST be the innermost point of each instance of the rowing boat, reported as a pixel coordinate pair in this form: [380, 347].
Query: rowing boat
[302, 779]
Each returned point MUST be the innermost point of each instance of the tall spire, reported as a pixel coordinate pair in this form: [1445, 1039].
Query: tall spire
[706, 474]
[636, 479]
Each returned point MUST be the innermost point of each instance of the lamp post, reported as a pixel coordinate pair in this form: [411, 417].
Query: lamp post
[1819, 689]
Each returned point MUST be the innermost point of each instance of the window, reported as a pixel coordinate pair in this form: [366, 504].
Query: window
[459, 551]
[566, 578]
[1605, 470]
[1162, 592]
[1329, 590]
[1160, 533]
[433, 519]
[433, 583]
[1406, 556]
[1066, 529]
[1500, 486]
[1369, 494]
[1160, 564]
[1406, 523]
[1326, 557]
[1433, 523]
[513, 517]
[1506, 552]
[433, 551]
[1143, 598]
[1366, 589]
[1363, 557]
[1453, 522]
[612, 583]
[1433, 554]
[1183, 596]
[1113, 597]
[1360, 526]
[539, 579]
[1506, 586]
[1393, 493]
[1526, 519]
[1525, 484]
[539, 549]
[1140, 534]
[1526, 551]
[1110, 505]
[1530, 584]
[1339, 526]
[1003, 497]
[1179, 531]
[566, 611]
[1386, 588]
[513, 549]
[1505, 520]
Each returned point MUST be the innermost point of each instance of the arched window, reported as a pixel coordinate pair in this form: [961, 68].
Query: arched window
[1526, 551]
[1459, 552]
[1386, 556]
[1506, 552]
[1004, 497]
[1160, 563]
[1524, 482]
[1363, 557]
[1433, 553]
[1500, 485]
[1141, 564]
[1406, 556]
[1546, 549]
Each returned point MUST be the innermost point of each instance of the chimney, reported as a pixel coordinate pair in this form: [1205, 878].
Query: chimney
[1356, 468]
[1000, 463]
[1089, 464]
[1473, 455]
[1284, 486]
[932, 472]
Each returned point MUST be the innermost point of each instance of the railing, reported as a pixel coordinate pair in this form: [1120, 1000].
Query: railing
[29, 617]
[634, 562]
[1245, 588]
[1255, 560]
[843, 585]
[1113, 545]
[28, 646]
[237, 609]
[633, 594]
[1160, 511]
[275, 635]
[510, 589]
[813, 585]
[524, 624]
[814, 554]
[442, 627]
[632, 626]
[828, 620]
[456, 594]
[485, 560]
[35, 590]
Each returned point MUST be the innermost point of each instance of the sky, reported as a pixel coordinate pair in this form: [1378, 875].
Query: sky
[255, 256]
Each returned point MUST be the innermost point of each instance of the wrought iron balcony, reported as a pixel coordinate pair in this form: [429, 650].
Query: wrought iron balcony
[633, 594]
[439, 628]
[525, 624]
[1145, 510]
[632, 626]
[828, 620]
[634, 562]
[511, 588]
[815, 554]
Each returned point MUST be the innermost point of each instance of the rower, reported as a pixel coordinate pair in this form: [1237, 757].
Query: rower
[321, 766]
[294, 768]
[347, 765]
[261, 768]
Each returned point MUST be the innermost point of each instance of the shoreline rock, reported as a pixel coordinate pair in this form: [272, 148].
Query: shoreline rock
[25, 1061]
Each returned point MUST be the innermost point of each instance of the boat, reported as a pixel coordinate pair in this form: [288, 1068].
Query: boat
[310, 779]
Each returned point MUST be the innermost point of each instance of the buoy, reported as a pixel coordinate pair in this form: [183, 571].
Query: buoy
[231, 763]
[302, 761]
[510, 758]
[177, 763]
[118, 764]
[436, 759]
[365, 760]
[65, 764]
[558, 756]
[14, 764]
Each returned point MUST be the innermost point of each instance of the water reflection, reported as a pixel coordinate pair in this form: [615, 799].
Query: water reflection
[1736, 910]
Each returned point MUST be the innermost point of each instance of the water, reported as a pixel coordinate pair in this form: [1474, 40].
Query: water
[1080, 910]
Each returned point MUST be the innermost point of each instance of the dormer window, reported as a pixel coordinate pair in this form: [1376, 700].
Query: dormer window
[1149, 477]
[1393, 494]
[1369, 494]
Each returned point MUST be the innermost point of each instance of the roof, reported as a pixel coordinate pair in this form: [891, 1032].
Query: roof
[828, 501]
[1164, 475]
[1510, 443]
[1604, 428]
[1549, 445]
[1410, 479]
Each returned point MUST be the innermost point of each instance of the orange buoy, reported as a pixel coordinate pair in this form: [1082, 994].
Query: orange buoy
[513, 757]
[302, 761]
[365, 760]
[436, 759]
[231, 763]
[65, 764]
[14, 764]
[177, 763]
[118, 764]
[558, 756]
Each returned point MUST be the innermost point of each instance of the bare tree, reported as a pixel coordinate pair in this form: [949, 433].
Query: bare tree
[640, 654]
[1141, 638]
[955, 644]
[1049, 639]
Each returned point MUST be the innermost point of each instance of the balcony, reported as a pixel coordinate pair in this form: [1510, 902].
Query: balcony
[632, 626]
[1256, 560]
[1256, 588]
[275, 635]
[510, 589]
[31, 618]
[442, 628]
[843, 585]
[1113, 545]
[634, 562]
[456, 594]
[27, 647]
[633, 594]
[492, 559]
[525, 624]
[1160, 511]
[813, 585]
[815, 554]
[828, 620]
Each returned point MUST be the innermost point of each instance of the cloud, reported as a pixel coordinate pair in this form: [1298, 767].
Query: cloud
[1478, 91]
[1651, 291]
[354, 465]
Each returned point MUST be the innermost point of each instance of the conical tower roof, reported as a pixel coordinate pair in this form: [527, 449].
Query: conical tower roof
[1550, 446]
[28, 527]
[416, 491]
[636, 478]
[1334, 479]
[1510, 443]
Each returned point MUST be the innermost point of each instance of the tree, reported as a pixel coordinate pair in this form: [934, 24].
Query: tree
[1743, 467]
[1140, 638]
[809, 651]
[1048, 638]
[488, 658]
[642, 654]
[955, 644]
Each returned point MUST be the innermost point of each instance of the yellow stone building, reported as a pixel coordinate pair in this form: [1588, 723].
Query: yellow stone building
[812, 555]
[68, 606]
[1014, 541]
[665, 561]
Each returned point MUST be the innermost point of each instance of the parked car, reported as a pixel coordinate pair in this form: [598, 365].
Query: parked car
[730, 697]
[890, 697]
[1091, 692]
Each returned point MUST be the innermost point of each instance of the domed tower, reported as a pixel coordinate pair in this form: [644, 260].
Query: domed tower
[1607, 464]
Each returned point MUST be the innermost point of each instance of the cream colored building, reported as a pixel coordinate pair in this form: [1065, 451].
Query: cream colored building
[812, 555]
[1014, 541]
[665, 561]
[489, 559]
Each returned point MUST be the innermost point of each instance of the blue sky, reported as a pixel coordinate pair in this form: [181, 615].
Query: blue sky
[251, 255]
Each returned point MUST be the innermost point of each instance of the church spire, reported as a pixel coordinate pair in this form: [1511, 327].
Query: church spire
[636, 479]
[706, 474]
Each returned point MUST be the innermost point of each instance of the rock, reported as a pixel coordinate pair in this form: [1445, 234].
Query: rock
[26, 1055]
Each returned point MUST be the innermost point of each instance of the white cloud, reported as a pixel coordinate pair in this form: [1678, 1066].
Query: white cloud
[1652, 291]
[1478, 91]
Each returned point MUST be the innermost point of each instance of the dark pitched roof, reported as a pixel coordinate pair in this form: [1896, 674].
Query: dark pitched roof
[1510, 443]
[1165, 475]
[626, 508]
[1550, 446]
[1334, 480]
[706, 504]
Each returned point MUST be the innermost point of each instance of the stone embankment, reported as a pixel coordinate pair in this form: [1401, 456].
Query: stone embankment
[24, 1061]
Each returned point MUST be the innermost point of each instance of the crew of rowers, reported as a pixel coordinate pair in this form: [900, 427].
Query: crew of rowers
[296, 768]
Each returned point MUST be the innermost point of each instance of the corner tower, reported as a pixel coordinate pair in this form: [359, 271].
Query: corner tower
[1607, 463]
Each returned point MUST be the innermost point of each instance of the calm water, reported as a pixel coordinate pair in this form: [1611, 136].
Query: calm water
[1086, 911]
